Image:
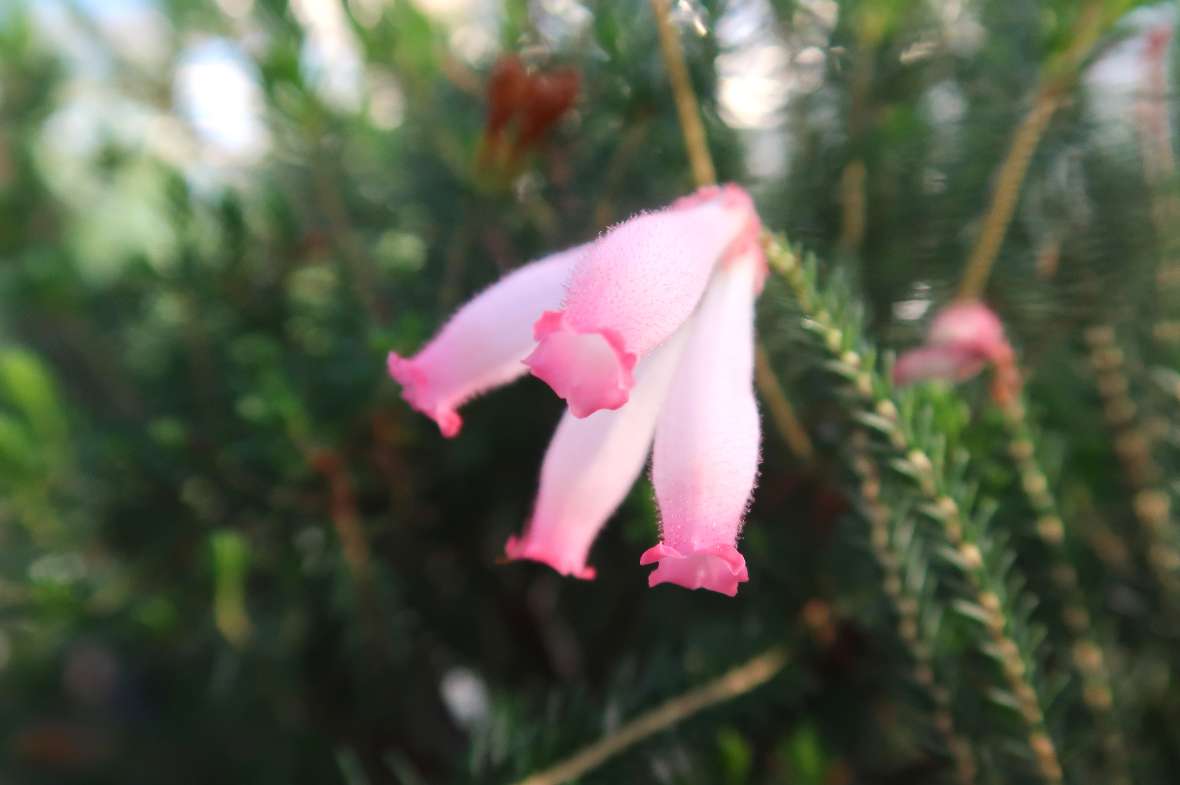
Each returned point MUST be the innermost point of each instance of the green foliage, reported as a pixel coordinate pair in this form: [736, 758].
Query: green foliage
[230, 553]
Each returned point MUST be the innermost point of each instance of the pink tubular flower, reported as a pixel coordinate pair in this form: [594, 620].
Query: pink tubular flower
[657, 329]
[963, 338]
[635, 287]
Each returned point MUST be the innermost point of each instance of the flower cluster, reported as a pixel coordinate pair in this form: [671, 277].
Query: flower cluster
[648, 334]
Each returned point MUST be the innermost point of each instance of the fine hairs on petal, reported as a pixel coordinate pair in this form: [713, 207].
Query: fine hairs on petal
[481, 347]
[707, 445]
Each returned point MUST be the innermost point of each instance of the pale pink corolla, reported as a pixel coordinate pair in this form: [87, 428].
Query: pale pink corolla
[668, 296]
[962, 340]
[705, 460]
[637, 285]
[589, 468]
[483, 345]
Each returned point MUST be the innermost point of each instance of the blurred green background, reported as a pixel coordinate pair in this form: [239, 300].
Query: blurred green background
[230, 553]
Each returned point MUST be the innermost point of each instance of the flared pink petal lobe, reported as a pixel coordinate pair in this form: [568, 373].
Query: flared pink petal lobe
[705, 460]
[590, 370]
[483, 345]
[566, 558]
[590, 466]
[719, 568]
[952, 363]
[636, 286]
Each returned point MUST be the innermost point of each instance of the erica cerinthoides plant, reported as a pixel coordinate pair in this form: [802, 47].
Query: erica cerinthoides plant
[962, 339]
[976, 579]
[648, 334]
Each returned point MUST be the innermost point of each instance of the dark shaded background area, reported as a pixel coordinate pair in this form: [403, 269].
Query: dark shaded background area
[230, 553]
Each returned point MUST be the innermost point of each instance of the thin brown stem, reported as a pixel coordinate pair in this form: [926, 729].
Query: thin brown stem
[354, 543]
[1010, 175]
[695, 140]
[343, 514]
[630, 146]
[1006, 194]
[730, 685]
[853, 206]
[348, 248]
[1132, 444]
[781, 411]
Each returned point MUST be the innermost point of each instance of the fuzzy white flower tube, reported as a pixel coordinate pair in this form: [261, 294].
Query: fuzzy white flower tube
[707, 445]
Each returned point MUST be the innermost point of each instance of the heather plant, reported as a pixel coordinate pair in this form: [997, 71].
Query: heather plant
[851, 327]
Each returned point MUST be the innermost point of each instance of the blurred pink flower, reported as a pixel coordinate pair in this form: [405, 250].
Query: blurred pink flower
[649, 329]
[962, 340]
[635, 286]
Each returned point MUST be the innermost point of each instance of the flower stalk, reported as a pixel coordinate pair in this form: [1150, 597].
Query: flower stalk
[1087, 652]
[984, 592]
[1150, 501]
[1050, 94]
[735, 683]
[891, 541]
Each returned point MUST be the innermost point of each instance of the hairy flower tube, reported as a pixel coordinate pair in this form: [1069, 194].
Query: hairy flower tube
[962, 340]
[648, 334]
[636, 285]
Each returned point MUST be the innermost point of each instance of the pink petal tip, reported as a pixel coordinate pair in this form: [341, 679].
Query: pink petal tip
[718, 568]
[590, 370]
[962, 339]
[952, 363]
[417, 392]
[522, 548]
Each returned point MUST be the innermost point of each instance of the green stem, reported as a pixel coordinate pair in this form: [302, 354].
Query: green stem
[742, 679]
[1088, 654]
[1151, 502]
[980, 566]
